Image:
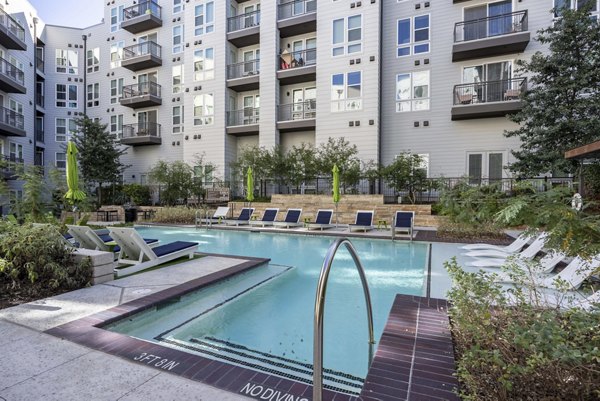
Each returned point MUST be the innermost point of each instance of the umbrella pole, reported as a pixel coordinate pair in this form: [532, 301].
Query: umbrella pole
[336, 215]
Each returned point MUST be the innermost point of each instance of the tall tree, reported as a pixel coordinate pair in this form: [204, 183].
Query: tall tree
[176, 180]
[99, 154]
[345, 156]
[561, 109]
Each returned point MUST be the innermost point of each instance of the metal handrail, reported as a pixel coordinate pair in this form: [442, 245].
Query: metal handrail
[504, 90]
[320, 311]
[141, 9]
[481, 28]
[243, 21]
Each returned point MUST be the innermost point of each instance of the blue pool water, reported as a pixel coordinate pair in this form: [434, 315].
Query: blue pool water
[265, 316]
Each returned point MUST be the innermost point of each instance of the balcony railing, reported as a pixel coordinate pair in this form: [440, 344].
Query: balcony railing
[247, 116]
[147, 129]
[298, 59]
[11, 118]
[489, 27]
[142, 49]
[9, 167]
[12, 72]
[141, 89]
[39, 100]
[490, 91]
[143, 8]
[39, 135]
[243, 69]
[297, 111]
[12, 25]
[294, 8]
[40, 64]
[243, 21]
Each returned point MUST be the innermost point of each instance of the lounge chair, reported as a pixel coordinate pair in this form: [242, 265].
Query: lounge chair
[98, 240]
[322, 221]
[546, 264]
[574, 274]
[292, 219]
[218, 216]
[403, 221]
[268, 218]
[513, 247]
[528, 253]
[242, 219]
[135, 251]
[363, 221]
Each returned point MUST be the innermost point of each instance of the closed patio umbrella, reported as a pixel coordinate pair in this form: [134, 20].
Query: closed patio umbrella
[336, 189]
[249, 185]
[73, 193]
[286, 57]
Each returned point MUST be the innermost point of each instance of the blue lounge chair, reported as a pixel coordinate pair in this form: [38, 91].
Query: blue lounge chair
[267, 219]
[322, 221]
[292, 219]
[363, 221]
[242, 219]
[98, 240]
[404, 222]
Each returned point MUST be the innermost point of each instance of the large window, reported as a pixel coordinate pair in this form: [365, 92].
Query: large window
[93, 60]
[64, 128]
[177, 119]
[485, 165]
[577, 4]
[60, 160]
[177, 39]
[204, 18]
[177, 78]
[204, 64]
[413, 36]
[346, 91]
[204, 109]
[347, 35]
[116, 125]
[116, 90]
[116, 17]
[116, 54]
[67, 61]
[178, 6]
[93, 95]
[412, 91]
[66, 96]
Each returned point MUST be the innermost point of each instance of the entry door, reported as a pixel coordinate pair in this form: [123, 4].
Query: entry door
[476, 26]
[249, 20]
[249, 62]
[311, 51]
[499, 25]
[144, 46]
[147, 123]
[497, 75]
[310, 95]
[251, 104]
[144, 83]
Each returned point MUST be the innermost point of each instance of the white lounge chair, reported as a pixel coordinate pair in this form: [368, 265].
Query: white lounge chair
[292, 219]
[513, 247]
[404, 222]
[268, 218]
[322, 221]
[135, 251]
[363, 221]
[219, 215]
[546, 264]
[98, 240]
[529, 253]
[574, 274]
[242, 219]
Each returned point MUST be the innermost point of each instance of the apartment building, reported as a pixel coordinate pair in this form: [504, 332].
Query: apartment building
[201, 79]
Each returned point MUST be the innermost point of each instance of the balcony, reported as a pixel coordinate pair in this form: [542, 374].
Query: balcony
[39, 64]
[243, 76]
[12, 79]
[142, 17]
[39, 135]
[39, 100]
[243, 122]
[488, 99]
[296, 17]
[10, 165]
[141, 56]
[244, 30]
[297, 67]
[142, 134]
[12, 34]
[11, 123]
[142, 94]
[298, 116]
[491, 36]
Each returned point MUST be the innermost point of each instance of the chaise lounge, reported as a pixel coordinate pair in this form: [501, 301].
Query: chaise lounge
[243, 219]
[98, 240]
[292, 219]
[267, 219]
[363, 221]
[403, 222]
[322, 221]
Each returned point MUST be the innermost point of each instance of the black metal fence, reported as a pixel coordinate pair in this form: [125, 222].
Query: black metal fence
[149, 48]
[246, 116]
[143, 8]
[300, 58]
[141, 89]
[491, 91]
[12, 72]
[141, 130]
[488, 27]
[243, 69]
[297, 111]
[243, 21]
[294, 8]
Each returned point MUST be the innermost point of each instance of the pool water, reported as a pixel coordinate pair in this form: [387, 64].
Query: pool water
[264, 318]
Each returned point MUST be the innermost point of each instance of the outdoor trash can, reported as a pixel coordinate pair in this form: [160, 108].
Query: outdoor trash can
[130, 215]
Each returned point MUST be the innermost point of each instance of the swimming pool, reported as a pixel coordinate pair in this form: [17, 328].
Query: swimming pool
[263, 318]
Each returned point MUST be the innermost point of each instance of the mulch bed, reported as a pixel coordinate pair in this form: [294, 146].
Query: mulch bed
[433, 236]
[9, 297]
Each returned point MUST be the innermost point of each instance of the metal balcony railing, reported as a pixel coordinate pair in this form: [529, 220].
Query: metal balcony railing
[300, 58]
[144, 7]
[490, 91]
[243, 69]
[294, 8]
[243, 21]
[10, 161]
[12, 118]
[297, 111]
[39, 135]
[246, 116]
[489, 27]
[141, 130]
[12, 25]
[12, 72]
[40, 100]
[39, 64]
[141, 89]
[142, 49]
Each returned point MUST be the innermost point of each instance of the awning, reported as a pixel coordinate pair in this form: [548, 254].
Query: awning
[589, 151]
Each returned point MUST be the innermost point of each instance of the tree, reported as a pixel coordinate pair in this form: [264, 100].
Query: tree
[175, 180]
[251, 156]
[341, 153]
[302, 164]
[406, 173]
[99, 155]
[35, 191]
[561, 109]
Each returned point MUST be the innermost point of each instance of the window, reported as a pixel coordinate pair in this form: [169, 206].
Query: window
[177, 78]
[116, 17]
[415, 40]
[177, 39]
[577, 4]
[67, 61]
[66, 96]
[177, 119]
[93, 94]
[116, 54]
[60, 161]
[64, 128]
[16, 152]
[93, 60]
[488, 83]
[116, 90]
[485, 165]
[204, 109]
[412, 91]
[178, 6]
[346, 91]
[204, 18]
[15, 106]
[116, 125]
[204, 64]
[347, 35]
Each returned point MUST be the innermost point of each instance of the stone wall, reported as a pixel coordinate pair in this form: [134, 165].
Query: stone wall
[103, 264]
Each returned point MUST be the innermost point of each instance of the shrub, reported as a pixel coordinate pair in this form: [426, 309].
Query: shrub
[34, 260]
[473, 205]
[517, 350]
[137, 194]
[175, 215]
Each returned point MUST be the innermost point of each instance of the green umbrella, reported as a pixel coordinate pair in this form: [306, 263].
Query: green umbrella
[336, 189]
[74, 193]
[249, 185]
